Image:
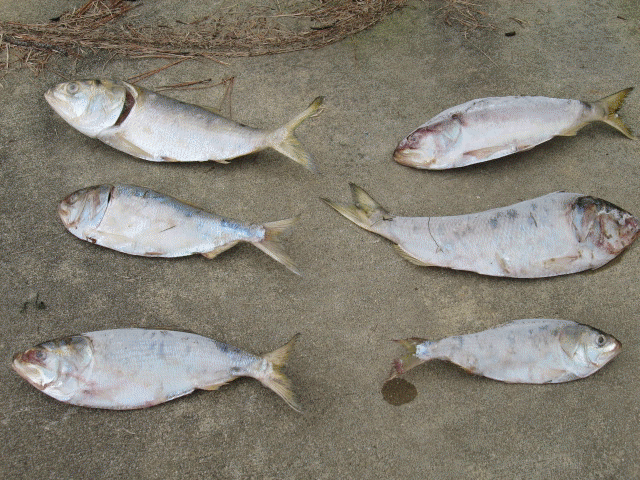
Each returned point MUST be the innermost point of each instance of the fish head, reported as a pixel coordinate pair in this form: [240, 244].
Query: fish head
[600, 348]
[85, 207]
[424, 146]
[89, 106]
[50, 365]
[608, 226]
[589, 348]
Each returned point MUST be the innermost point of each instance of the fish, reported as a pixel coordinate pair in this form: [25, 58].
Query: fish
[139, 221]
[488, 128]
[522, 351]
[157, 128]
[556, 234]
[130, 368]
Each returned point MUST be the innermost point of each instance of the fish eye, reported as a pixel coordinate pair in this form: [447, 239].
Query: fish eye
[72, 88]
[600, 341]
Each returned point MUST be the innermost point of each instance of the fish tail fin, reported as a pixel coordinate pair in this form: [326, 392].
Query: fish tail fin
[287, 144]
[275, 379]
[364, 212]
[271, 243]
[410, 360]
[611, 105]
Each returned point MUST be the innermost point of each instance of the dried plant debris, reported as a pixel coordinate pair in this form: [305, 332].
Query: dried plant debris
[107, 26]
[464, 14]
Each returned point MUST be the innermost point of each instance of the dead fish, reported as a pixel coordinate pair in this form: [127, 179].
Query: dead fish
[556, 234]
[490, 128]
[137, 368]
[161, 129]
[139, 221]
[522, 351]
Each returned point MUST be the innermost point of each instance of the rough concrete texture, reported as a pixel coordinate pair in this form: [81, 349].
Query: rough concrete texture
[356, 293]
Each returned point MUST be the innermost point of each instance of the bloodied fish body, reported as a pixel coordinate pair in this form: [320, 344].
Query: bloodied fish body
[556, 234]
[161, 129]
[522, 351]
[490, 128]
[139, 221]
[137, 368]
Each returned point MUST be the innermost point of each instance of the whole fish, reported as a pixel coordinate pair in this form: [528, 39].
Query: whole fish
[556, 234]
[139, 221]
[161, 129]
[137, 368]
[522, 351]
[490, 128]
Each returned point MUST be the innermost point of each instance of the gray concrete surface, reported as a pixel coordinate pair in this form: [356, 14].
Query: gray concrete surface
[356, 293]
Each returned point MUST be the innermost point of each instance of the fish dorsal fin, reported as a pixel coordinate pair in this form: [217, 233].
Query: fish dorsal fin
[411, 258]
[218, 250]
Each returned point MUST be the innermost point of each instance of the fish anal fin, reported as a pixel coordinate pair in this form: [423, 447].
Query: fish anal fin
[570, 132]
[169, 159]
[218, 250]
[222, 160]
[560, 264]
[411, 258]
[215, 386]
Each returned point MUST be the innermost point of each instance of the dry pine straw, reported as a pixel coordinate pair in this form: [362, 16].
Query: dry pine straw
[101, 26]
[92, 28]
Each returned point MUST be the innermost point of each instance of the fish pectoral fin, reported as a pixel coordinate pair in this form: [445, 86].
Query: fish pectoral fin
[218, 250]
[118, 141]
[490, 153]
[411, 258]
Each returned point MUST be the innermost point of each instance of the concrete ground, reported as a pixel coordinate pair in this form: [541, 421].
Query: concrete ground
[356, 293]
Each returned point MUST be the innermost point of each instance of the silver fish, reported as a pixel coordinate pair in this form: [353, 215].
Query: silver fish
[522, 351]
[161, 129]
[556, 234]
[137, 368]
[139, 221]
[490, 128]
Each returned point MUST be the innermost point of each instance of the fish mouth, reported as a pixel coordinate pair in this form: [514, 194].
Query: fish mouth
[412, 158]
[28, 370]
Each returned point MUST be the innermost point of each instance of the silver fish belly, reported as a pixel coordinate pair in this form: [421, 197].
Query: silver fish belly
[490, 128]
[139, 221]
[522, 351]
[154, 127]
[556, 234]
[137, 368]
